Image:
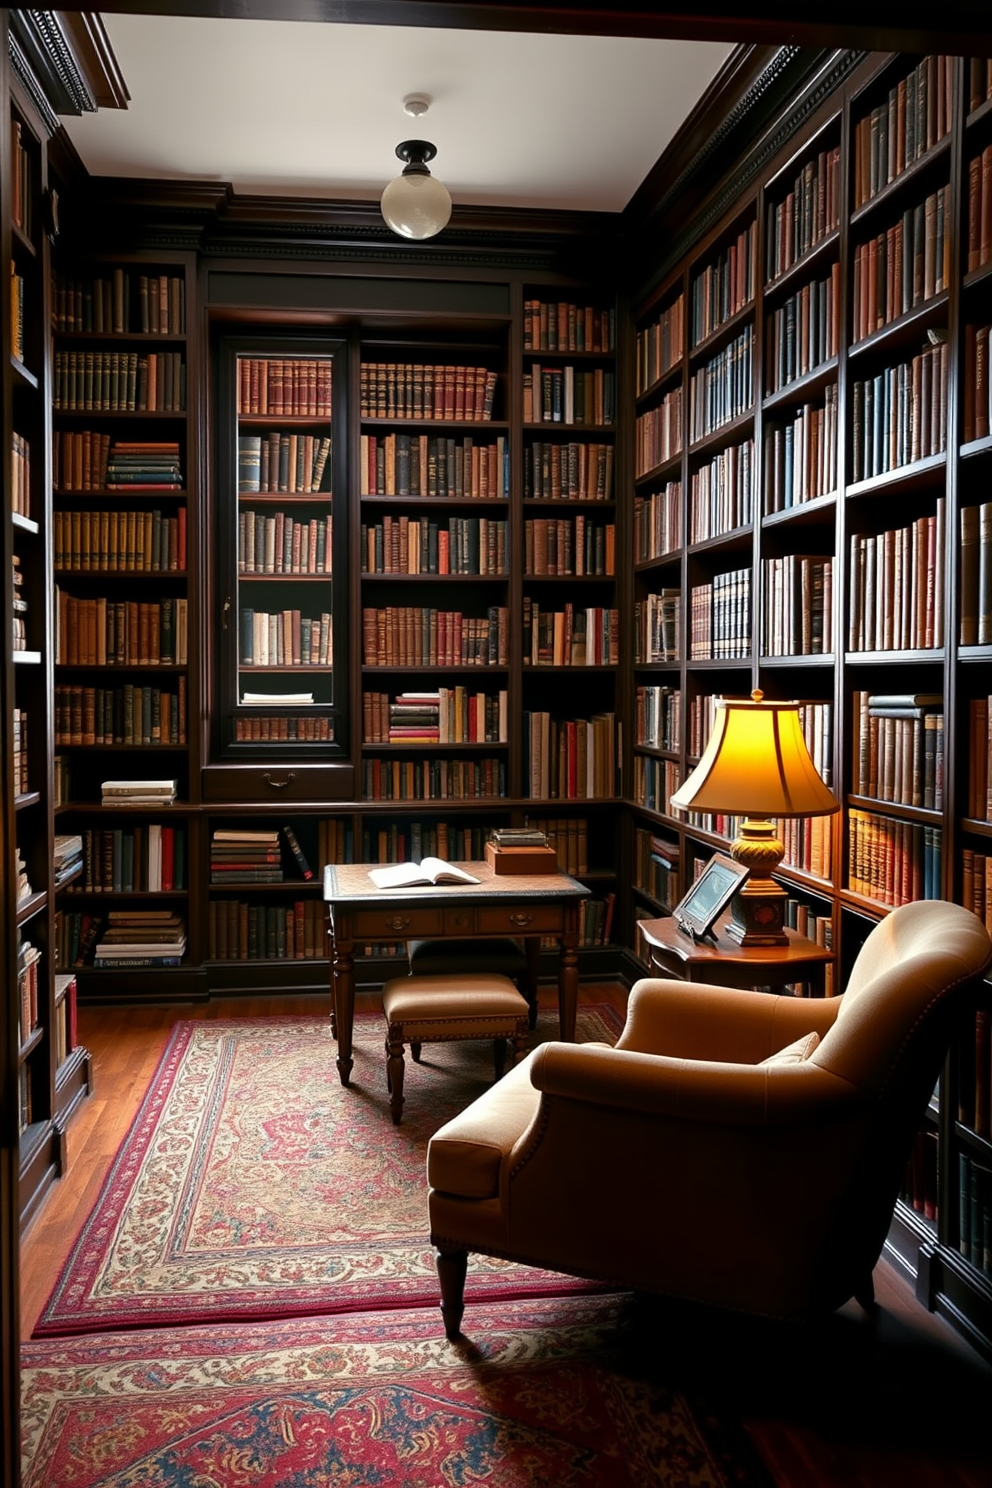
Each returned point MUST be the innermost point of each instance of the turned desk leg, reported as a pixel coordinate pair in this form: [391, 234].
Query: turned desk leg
[343, 987]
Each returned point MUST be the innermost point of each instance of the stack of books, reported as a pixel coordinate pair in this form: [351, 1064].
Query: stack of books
[414, 718]
[139, 792]
[67, 857]
[245, 857]
[144, 465]
[141, 937]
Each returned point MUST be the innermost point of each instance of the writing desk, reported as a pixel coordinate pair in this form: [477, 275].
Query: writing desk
[524, 905]
[728, 964]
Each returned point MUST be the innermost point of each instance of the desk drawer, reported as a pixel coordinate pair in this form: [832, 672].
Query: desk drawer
[397, 924]
[524, 920]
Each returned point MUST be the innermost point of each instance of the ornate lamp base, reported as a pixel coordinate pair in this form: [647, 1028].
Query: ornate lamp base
[757, 910]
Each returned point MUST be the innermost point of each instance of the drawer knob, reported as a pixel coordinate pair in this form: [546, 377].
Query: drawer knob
[398, 922]
[521, 920]
[279, 784]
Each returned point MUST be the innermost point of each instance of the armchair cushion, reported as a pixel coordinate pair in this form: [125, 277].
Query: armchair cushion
[466, 1156]
[795, 1053]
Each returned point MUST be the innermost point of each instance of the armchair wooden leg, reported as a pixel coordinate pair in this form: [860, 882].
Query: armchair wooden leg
[394, 1077]
[452, 1266]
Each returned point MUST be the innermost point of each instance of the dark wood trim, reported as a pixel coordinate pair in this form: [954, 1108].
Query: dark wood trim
[961, 27]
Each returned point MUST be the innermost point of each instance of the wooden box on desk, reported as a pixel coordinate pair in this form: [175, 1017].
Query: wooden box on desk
[521, 859]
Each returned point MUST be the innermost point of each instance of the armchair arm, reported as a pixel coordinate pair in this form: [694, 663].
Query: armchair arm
[696, 1020]
[687, 1089]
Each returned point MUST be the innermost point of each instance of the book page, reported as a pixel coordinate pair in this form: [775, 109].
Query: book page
[430, 871]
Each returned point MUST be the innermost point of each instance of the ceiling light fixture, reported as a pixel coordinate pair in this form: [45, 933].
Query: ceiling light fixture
[416, 204]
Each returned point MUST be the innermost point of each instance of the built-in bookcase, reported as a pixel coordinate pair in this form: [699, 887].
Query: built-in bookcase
[53, 1073]
[811, 471]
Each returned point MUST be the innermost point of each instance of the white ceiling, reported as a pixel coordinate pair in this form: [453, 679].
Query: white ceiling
[316, 109]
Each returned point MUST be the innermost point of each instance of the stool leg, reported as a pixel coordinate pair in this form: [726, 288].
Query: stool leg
[499, 1057]
[415, 1051]
[394, 1076]
[517, 1045]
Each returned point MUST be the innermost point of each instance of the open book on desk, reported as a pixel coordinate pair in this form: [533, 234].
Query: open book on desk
[429, 871]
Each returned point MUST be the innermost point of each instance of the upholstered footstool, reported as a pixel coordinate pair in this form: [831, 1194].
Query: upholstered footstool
[488, 953]
[437, 1009]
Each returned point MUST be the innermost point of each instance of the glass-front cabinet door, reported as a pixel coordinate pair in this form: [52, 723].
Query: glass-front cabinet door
[281, 673]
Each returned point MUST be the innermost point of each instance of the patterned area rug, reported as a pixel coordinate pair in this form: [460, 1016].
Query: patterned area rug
[548, 1391]
[253, 1185]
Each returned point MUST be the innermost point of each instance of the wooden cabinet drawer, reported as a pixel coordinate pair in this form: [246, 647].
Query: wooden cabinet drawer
[396, 924]
[276, 784]
[540, 920]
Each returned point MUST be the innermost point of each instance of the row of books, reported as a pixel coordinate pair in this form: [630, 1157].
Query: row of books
[461, 545]
[107, 632]
[976, 885]
[920, 1188]
[803, 332]
[807, 842]
[976, 575]
[896, 586]
[306, 728]
[723, 388]
[797, 605]
[654, 782]
[67, 857]
[21, 200]
[20, 475]
[658, 717]
[16, 313]
[411, 635]
[574, 636]
[570, 758]
[569, 546]
[281, 387]
[805, 215]
[658, 523]
[979, 793]
[410, 842]
[119, 382]
[659, 345]
[119, 541]
[658, 627]
[900, 415]
[65, 1016]
[724, 286]
[657, 868]
[448, 715]
[658, 433]
[702, 716]
[129, 714]
[800, 454]
[19, 606]
[899, 748]
[913, 116]
[720, 617]
[569, 395]
[891, 861]
[721, 493]
[433, 780]
[79, 459]
[975, 1211]
[140, 937]
[20, 754]
[241, 931]
[119, 303]
[979, 241]
[144, 859]
[414, 390]
[398, 464]
[277, 543]
[977, 421]
[572, 471]
[285, 638]
[568, 837]
[278, 462]
[903, 266]
[28, 970]
[561, 325]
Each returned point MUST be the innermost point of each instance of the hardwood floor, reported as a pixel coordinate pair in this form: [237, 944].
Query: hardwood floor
[893, 1401]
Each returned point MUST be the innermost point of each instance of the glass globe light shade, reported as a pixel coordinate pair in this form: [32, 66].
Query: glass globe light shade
[416, 204]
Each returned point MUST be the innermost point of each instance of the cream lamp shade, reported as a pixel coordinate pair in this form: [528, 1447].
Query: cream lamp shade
[756, 765]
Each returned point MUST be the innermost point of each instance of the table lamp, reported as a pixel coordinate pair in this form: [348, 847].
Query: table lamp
[756, 766]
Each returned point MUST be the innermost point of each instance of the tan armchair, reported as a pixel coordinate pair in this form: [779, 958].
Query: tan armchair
[719, 1152]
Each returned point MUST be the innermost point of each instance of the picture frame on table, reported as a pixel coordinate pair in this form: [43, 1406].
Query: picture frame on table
[707, 897]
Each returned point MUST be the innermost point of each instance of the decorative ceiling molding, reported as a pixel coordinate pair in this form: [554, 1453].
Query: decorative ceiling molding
[46, 47]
